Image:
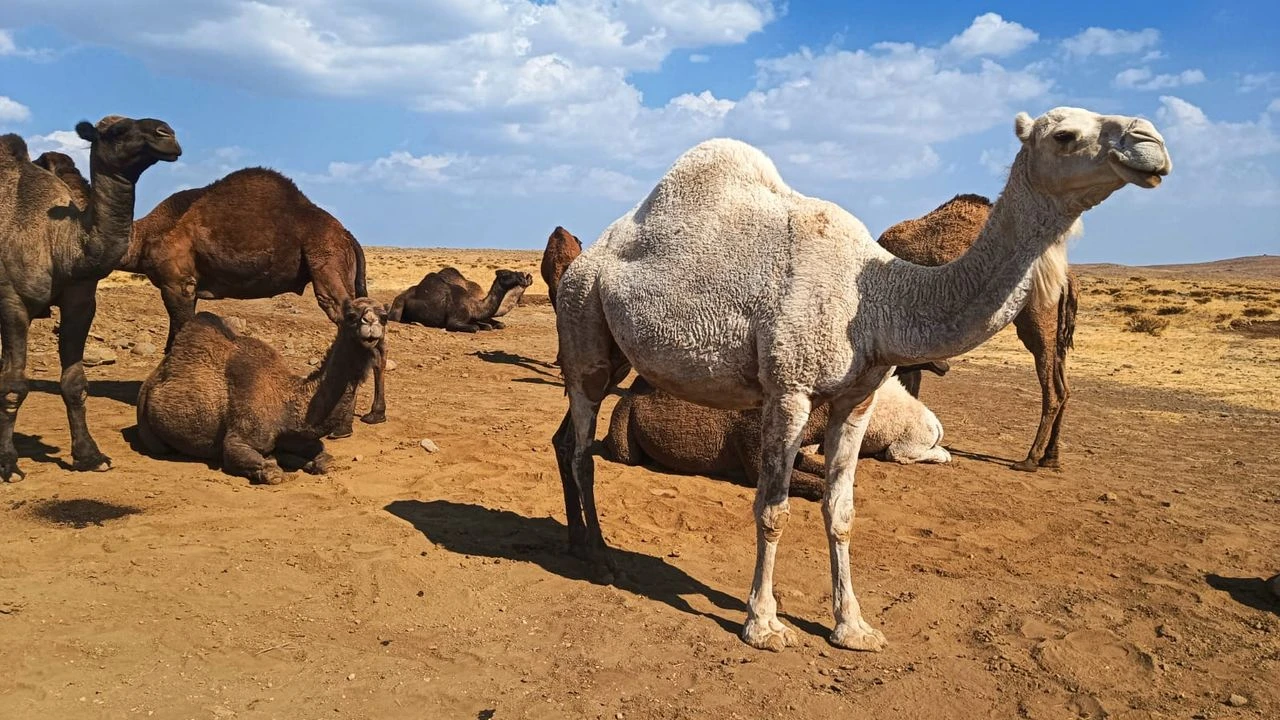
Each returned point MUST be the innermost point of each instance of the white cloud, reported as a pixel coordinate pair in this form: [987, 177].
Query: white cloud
[9, 47]
[1274, 107]
[1250, 82]
[13, 111]
[1144, 79]
[699, 58]
[991, 35]
[1100, 41]
[1219, 162]
[63, 141]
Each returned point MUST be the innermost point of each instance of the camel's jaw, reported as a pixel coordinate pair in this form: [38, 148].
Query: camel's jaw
[1140, 157]
[1142, 177]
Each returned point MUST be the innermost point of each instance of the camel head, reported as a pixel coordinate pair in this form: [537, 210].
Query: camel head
[366, 320]
[1083, 157]
[564, 236]
[509, 279]
[55, 162]
[126, 146]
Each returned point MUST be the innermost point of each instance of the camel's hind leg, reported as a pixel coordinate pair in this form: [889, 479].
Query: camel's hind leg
[592, 365]
[79, 304]
[14, 326]
[1038, 331]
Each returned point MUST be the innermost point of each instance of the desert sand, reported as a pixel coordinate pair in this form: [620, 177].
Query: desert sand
[410, 584]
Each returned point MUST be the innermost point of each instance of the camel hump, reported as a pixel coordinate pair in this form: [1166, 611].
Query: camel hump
[214, 322]
[13, 146]
[970, 199]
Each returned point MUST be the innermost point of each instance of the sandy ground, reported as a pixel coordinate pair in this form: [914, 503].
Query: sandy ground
[417, 585]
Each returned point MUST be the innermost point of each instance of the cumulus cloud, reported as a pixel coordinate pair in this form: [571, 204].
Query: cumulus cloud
[9, 47]
[63, 141]
[1251, 82]
[1144, 79]
[1101, 41]
[699, 58]
[1220, 162]
[13, 111]
[991, 35]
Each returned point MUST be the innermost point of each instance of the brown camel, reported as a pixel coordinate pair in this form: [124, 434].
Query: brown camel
[252, 234]
[452, 276]
[53, 253]
[562, 247]
[651, 425]
[61, 165]
[222, 395]
[446, 300]
[1045, 326]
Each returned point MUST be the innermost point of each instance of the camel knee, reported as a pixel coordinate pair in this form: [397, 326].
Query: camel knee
[74, 386]
[772, 517]
[15, 393]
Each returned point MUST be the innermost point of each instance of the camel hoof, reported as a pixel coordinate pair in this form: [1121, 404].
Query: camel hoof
[1027, 465]
[9, 470]
[767, 635]
[1051, 463]
[373, 418]
[858, 636]
[319, 465]
[340, 434]
[93, 463]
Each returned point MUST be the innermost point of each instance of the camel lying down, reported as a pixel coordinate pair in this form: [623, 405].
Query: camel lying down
[222, 395]
[649, 425]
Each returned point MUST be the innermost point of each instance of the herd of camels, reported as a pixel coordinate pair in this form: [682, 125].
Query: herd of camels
[792, 327]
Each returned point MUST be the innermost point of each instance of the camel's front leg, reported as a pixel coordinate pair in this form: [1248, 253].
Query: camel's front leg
[378, 413]
[849, 420]
[781, 427]
[79, 304]
[14, 326]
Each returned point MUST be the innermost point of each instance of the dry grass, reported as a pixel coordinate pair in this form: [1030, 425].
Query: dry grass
[1171, 309]
[1148, 324]
[1256, 312]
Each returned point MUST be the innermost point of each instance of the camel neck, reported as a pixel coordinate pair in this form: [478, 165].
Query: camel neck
[491, 302]
[944, 311]
[109, 220]
[334, 383]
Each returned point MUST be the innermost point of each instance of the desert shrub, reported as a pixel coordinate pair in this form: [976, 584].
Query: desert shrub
[1149, 324]
[1222, 317]
[1203, 300]
[1171, 309]
[1128, 309]
[1161, 292]
[1256, 312]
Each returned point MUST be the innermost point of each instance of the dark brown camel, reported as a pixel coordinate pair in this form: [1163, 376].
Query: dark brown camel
[61, 165]
[446, 300]
[219, 395]
[1045, 326]
[53, 253]
[252, 234]
[510, 300]
[562, 247]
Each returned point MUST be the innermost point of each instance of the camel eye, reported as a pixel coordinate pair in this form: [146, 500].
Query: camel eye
[1064, 136]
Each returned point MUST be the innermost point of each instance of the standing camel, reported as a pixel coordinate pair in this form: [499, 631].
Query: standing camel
[727, 288]
[562, 247]
[1045, 326]
[251, 234]
[53, 253]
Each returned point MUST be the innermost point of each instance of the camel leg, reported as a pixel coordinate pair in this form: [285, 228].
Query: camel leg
[781, 429]
[79, 304]
[239, 457]
[180, 303]
[14, 326]
[378, 412]
[849, 420]
[309, 454]
[1038, 331]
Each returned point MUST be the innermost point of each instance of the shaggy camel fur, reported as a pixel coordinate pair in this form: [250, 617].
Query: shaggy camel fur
[64, 167]
[651, 425]
[1045, 326]
[446, 300]
[53, 252]
[562, 247]
[251, 234]
[222, 395]
[727, 288]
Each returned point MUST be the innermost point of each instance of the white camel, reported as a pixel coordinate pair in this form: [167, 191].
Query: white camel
[727, 288]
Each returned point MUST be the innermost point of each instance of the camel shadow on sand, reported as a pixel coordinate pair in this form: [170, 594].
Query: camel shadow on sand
[31, 447]
[1250, 592]
[476, 530]
[125, 391]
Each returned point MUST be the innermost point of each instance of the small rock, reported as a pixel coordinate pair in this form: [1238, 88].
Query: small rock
[95, 355]
[1165, 631]
[236, 323]
[391, 365]
[357, 458]
[1237, 700]
[313, 361]
[144, 348]
[1109, 497]
[352, 676]
[430, 446]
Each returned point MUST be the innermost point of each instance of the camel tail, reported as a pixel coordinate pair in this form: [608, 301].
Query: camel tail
[362, 284]
[1067, 305]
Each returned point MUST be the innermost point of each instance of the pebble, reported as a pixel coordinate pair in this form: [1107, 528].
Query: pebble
[1237, 700]
[95, 356]
[429, 445]
[391, 365]
[352, 676]
[1109, 497]
[144, 348]
[313, 361]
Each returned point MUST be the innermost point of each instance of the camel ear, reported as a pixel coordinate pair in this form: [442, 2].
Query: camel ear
[87, 131]
[1022, 124]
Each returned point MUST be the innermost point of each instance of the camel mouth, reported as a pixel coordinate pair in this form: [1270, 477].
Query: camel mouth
[1142, 177]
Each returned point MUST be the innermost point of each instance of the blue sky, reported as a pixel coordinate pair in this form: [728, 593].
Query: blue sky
[486, 123]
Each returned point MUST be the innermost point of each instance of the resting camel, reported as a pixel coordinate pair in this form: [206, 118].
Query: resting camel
[649, 425]
[1045, 326]
[251, 234]
[446, 300]
[222, 395]
[53, 252]
[562, 247]
[726, 288]
[64, 167]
